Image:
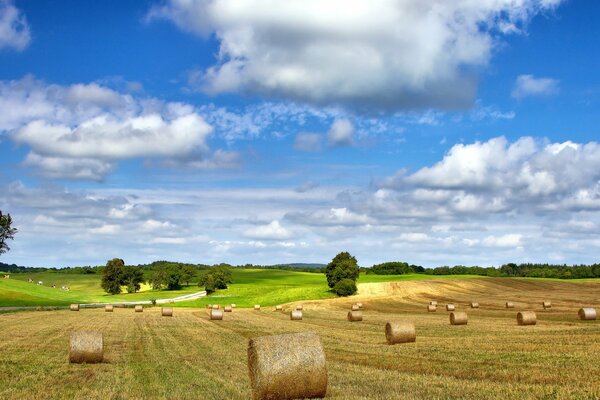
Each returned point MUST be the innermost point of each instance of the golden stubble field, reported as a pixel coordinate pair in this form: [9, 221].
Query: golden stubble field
[189, 357]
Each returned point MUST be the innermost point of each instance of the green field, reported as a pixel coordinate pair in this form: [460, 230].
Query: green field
[266, 287]
[250, 286]
[85, 288]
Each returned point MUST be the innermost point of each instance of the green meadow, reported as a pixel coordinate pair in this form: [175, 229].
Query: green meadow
[250, 286]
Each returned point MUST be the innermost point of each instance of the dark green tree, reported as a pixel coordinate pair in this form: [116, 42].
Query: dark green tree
[7, 232]
[158, 278]
[188, 273]
[217, 277]
[112, 276]
[133, 278]
[343, 266]
[208, 281]
[173, 277]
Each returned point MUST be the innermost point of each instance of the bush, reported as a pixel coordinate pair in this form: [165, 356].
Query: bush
[345, 287]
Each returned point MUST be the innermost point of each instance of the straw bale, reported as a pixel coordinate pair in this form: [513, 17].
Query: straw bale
[86, 347]
[290, 366]
[458, 318]
[400, 332]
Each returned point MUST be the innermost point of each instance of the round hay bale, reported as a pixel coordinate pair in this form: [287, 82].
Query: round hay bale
[354, 316]
[458, 318]
[216, 307]
[227, 309]
[526, 318]
[296, 315]
[74, 307]
[299, 307]
[139, 308]
[278, 308]
[257, 307]
[233, 306]
[547, 305]
[86, 347]
[216, 314]
[431, 308]
[400, 332]
[360, 305]
[166, 311]
[450, 307]
[290, 366]
[474, 305]
[433, 303]
[510, 304]
[209, 306]
[587, 314]
[109, 308]
[355, 307]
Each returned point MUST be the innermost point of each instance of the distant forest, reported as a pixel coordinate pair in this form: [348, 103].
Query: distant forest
[532, 270]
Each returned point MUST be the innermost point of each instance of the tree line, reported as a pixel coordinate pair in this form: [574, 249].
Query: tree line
[162, 275]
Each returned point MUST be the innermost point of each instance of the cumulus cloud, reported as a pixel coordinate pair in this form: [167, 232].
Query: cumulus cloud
[14, 29]
[69, 168]
[392, 54]
[81, 131]
[271, 231]
[529, 85]
[512, 172]
[341, 133]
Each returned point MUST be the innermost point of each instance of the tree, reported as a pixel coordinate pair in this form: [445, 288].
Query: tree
[158, 278]
[112, 276]
[343, 266]
[133, 278]
[7, 232]
[345, 287]
[173, 277]
[217, 277]
[187, 274]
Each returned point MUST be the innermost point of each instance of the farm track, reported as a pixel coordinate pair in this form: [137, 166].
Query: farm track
[189, 357]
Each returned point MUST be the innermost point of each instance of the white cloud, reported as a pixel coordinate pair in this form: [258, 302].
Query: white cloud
[152, 225]
[14, 29]
[81, 131]
[332, 217]
[392, 54]
[308, 142]
[508, 240]
[414, 237]
[272, 231]
[69, 168]
[529, 85]
[108, 137]
[106, 229]
[341, 133]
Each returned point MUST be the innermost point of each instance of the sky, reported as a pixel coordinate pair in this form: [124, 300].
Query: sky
[267, 131]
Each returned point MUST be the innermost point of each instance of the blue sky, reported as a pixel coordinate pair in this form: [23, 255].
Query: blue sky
[260, 131]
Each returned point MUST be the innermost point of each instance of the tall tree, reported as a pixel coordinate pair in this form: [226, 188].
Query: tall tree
[112, 277]
[7, 232]
[187, 274]
[133, 278]
[343, 266]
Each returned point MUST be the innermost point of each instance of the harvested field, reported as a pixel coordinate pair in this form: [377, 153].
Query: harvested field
[188, 356]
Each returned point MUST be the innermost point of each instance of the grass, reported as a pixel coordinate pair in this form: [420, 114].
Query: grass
[266, 287]
[84, 288]
[188, 356]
